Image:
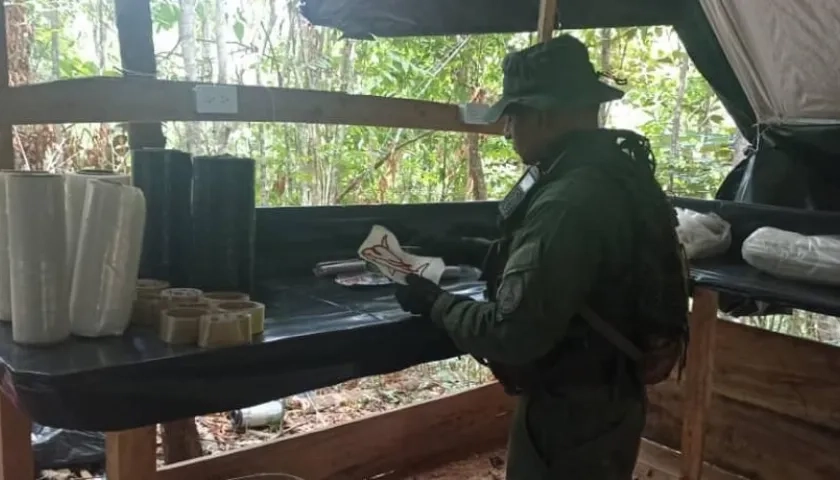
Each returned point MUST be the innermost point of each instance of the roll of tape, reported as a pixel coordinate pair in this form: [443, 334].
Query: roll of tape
[215, 298]
[148, 287]
[146, 311]
[173, 297]
[255, 310]
[180, 326]
[224, 329]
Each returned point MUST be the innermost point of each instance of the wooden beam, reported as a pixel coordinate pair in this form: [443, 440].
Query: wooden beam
[109, 99]
[547, 20]
[7, 148]
[137, 54]
[16, 460]
[423, 435]
[698, 380]
[130, 454]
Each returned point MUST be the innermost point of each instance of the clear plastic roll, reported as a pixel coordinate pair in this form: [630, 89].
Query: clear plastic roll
[38, 253]
[108, 259]
[5, 279]
[75, 187]
[793, 256]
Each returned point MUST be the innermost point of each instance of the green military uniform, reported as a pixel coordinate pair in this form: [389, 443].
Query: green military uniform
[573, 245]
[569, 244]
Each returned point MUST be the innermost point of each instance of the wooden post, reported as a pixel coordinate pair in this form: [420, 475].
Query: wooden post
[7, 149]
[698, 381]
[130, 454]
[137, 52]
[548, 19]
[16, 460]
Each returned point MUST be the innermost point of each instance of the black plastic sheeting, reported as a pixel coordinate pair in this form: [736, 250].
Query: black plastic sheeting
[224, 213]
[405, 18]
[59, 448]
[317, 334]
[165, 177]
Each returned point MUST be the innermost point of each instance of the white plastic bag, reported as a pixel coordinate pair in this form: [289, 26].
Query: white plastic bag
[794, 256]
[703, 234]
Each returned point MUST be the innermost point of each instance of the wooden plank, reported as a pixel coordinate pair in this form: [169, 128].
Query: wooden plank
[547, 19]
[104, 99]
[16, 460]
[698, 380]
[137, 55]
[180, 441]
[130, 454]
[438, 431]
[790, 376]
[748, 440]
[660, 462]
[7, 148]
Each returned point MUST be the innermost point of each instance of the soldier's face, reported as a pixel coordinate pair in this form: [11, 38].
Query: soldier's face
[524, 130]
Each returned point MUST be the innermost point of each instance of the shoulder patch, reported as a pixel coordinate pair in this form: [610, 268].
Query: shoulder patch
[510, 293]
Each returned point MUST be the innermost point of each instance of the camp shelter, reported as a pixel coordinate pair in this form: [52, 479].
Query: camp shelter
[765, 402]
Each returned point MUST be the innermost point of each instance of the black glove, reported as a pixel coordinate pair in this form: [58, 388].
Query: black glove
[454, 250]
[418, 295]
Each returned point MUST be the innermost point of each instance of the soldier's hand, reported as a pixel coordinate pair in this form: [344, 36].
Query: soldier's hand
[418, 295]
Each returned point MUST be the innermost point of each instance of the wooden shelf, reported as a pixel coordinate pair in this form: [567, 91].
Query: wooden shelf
[115, 99]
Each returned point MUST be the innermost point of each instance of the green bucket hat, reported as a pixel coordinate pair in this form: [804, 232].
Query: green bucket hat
[552, 75]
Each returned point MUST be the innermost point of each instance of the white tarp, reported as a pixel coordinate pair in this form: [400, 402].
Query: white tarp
[786, 55]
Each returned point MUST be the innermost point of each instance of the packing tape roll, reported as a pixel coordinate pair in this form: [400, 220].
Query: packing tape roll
[173, 297]
[146, 311]
[180, 326]
[149, 287]
[255, 310]
[216, 298]
[224, 329]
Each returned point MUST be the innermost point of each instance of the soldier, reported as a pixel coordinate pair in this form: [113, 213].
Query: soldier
[586, 289]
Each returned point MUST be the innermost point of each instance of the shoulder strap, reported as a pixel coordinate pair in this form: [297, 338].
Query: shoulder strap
[611, 334]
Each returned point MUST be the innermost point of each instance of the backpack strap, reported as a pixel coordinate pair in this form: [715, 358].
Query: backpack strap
[611, 334]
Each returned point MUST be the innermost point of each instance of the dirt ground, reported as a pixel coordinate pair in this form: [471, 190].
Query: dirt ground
[348, 401]
[488, 466]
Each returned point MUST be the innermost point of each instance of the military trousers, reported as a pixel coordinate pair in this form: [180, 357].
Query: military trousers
[585, 434]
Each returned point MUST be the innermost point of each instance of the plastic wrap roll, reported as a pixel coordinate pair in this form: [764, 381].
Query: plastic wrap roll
[215, 298]
[107, 260]
[224, 329]
[75, 187]
[223, 216]
[5, 281]
[179, 326]
[38, 253]
[794, 256]
[254, 310]
[165, 176]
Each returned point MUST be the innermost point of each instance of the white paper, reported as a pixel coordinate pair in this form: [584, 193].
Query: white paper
[107, 259]
[5, 282]
[382, 249]
[38, 253]
[474, 113]
[75, 186]
[220, 99]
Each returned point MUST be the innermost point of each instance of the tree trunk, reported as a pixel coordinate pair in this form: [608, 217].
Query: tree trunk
[475, 168]
[605, 35]
[186, 33]
[676, 119]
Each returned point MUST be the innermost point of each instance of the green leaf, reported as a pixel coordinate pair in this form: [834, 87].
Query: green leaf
[239, 30]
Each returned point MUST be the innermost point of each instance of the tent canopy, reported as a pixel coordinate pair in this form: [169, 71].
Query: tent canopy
[411, 18]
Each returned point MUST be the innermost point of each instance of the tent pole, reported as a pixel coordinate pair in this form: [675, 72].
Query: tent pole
[548, 19]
